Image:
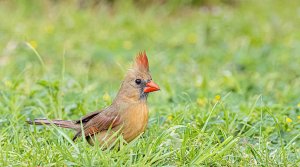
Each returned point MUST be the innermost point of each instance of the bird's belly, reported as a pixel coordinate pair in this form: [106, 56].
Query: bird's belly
[135, 124]
[132, 131]
[104, 138]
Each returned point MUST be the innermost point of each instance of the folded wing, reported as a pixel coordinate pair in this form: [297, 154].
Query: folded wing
[98, 123]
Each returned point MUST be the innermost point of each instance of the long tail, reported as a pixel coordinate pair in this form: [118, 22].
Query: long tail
[59, 123]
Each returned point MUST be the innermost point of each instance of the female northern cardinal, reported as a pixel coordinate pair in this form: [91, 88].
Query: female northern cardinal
[128, 113]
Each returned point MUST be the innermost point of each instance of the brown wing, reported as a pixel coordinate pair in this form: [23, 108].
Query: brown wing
[86, 118]
[99, 123]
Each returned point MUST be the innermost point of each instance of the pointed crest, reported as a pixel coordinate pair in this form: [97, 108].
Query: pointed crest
[141, 61]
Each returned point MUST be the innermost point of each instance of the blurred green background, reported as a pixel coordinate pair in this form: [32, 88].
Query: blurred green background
[63, 59]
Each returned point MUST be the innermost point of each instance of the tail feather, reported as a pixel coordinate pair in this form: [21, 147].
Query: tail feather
[59, 123]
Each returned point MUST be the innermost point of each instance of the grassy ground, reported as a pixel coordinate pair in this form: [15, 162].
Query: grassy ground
[229, 76]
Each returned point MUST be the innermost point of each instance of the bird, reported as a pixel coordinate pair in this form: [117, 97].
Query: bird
[127, 115]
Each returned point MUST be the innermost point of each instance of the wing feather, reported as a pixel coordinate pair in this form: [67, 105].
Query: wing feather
[98, 123]
[87, 117]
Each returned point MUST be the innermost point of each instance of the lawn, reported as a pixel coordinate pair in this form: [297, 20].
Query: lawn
[229, 77]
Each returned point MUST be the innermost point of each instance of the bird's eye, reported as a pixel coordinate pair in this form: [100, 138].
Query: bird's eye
[138, 81]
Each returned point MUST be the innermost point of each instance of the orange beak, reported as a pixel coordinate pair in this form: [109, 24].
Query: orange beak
[151, 87]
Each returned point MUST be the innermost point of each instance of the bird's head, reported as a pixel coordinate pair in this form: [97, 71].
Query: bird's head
[138, 81]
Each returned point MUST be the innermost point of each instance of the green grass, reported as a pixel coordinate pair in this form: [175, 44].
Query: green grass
[229, 78]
